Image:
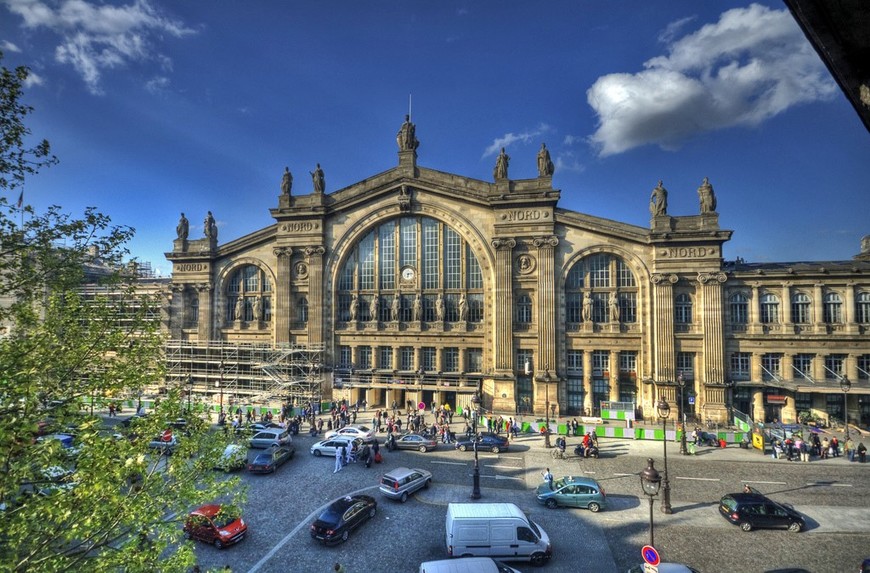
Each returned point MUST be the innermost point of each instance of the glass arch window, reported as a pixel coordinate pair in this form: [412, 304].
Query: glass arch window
[769, 307]
[683, 309]
[832, 309]
[410, 256]
[606, 276]
[862, 307]
[245, 286]
[739, 309]
[800, 309]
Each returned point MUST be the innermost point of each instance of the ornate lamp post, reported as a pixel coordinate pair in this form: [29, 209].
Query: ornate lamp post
[189, 384]
[846, 385]
[475, 476]
[547, 415]
[475, 409]
[682, 383]
[664, 411]
[651, 481]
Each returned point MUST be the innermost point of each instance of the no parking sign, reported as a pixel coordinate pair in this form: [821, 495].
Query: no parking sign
[650, 558]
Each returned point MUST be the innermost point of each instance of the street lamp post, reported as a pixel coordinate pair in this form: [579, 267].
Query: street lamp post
[189, 392]
[846, 385]
[683, 450]
[220, 386]
[475, 412]
[475, 476]
[651, 481]
[547, 416]
[664, 411]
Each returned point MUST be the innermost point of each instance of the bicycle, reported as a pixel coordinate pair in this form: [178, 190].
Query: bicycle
[559, 454]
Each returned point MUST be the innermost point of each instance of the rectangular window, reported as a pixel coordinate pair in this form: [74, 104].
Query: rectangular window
[834, 366]
[864, 367]
[408, 231]
[862, 308]
[345, 357]
[523, 357]
[599, 271]
[345, 281]
[406, 355]
[428, 359]
[574, 387]
[686, 365]
[624, 276]
[365, 357]
[475, 308]
[574, 362]
[771, 366]
[803, 366]
[474, 360]
[803, 401]
[599, 307]
[451, 360]
[628, 307]
[600, 363]
[451, 307]
[475, 276]
[430, 254]
[429, 308]
[628, 362]
[367, 263]
[385, 357]
[387, 244]
[573, 305]
[740, 365]
[452, 259]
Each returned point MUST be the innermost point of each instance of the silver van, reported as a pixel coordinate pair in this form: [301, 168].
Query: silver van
[402, 482]
[498, 530]
[466, 565]
[270, 437]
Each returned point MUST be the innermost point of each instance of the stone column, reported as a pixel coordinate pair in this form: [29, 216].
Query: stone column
[281, 311]
[758, 404]
[587, 380]
[546, 302]
[786, 317]
[713, 331]
[818, 305]
[663, 326]
[210, 316]
[851, 327]
[315, 295]
[755, 371]
[176, 311]
[503, 305]
[614, 376]
[754, 311]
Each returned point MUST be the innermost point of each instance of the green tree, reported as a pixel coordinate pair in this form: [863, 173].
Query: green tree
[110, 503]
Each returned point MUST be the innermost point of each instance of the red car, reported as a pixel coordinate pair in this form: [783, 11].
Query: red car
[216, 524]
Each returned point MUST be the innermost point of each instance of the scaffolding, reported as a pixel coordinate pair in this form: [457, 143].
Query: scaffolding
[235, 374]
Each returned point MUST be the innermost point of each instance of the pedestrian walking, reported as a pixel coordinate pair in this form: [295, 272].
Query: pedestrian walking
[548, 477]
[339, 460]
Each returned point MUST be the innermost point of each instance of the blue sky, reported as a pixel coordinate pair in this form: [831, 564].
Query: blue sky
[154, 108]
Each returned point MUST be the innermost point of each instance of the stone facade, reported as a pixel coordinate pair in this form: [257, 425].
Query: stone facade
[424, 286]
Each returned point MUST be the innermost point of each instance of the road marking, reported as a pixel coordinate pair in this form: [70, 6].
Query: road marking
[505, 467]
[766, 482]
[512, 457]
[509, 477]
[450, 463]
[820, 483]
[625, 475]
[698, 479]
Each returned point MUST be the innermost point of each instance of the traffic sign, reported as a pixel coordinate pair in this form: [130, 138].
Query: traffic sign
[647, 568]
[421, 406]
[650, 555]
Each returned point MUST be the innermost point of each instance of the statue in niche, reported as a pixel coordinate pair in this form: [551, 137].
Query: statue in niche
[545, 165]
[286, 182]
[396, 305]
[258, 306]
[614, 309]
[210, 227]
[463, 308]
[240, 307]
[354, 305]
[418, 307]
[587, 307]
[373, 308]
[707, 197]
[183, 228]
[439, 308]
[658, 201]
[318, 179]
[501, 165]
[406, 138]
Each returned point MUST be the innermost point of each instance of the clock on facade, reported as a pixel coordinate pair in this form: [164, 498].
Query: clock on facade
[408, 274]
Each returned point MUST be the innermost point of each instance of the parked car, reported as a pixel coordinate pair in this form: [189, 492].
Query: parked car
[572, 491]
[487, 441]
[327, 447]
[402, 482]
[234, 457]
[754, 510]
[467, 565]
[268, 461]
[270, 437]
[165, 444]
[354, 431]
[417, 442]
[66, 441]
[342, 516]
[708, 439]
[220, 525]
[257, 426]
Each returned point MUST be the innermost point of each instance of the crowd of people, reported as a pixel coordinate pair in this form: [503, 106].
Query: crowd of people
[795, 448]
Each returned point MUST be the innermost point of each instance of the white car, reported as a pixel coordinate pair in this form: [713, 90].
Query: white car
[327, 447]
[234, 457]
[354, 431]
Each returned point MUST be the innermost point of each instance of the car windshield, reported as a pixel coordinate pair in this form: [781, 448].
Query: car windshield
[533, 526]
[363, 429]
[559, 483]
[332, 514]
[263, 459]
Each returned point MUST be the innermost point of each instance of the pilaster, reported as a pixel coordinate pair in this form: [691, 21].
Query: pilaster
[503, 305]
[663, 325]
[281, 312]
[207, 311]
[315, 294]
[546, 302]
[176, 311]
[713, 331]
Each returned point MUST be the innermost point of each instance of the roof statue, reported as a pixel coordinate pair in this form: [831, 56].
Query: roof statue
[501, 166]
[545, 165]
[707, 197]
[658, 201]
[286, 182]
[407, 138]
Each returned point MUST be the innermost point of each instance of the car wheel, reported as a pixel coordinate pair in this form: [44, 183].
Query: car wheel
[551, 503]
[794, 527]
[422, 449]
[218, 544]
[594, 507]
[404, 497]
[538, 559]
[746, 526]
[317, 453]
[427, 484]
[463, 448]
[495, 449]
[345, 535]
[372, 512]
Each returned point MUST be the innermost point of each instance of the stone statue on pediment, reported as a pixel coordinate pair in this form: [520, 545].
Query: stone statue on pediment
[318, 179]
[286, 182]
[407, 138]
[707, 197]
[545, 165]
[183, 228]
[501, 165]
[658, 201]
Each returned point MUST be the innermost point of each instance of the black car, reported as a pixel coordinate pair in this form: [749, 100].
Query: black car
[342, 516]
[754, 510]
[417, 442]
[486, 441]
[268, 461]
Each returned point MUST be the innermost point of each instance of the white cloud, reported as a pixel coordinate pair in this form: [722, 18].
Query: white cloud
[33, 79]
[507, 139]
[751, 65]
[157, 84]
[8, 46]
[97, 37]
[670, 32]
[567, 160]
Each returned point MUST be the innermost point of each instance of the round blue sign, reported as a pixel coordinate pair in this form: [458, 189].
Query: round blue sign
[650, 555]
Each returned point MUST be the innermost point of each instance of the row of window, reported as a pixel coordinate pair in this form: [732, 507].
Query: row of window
[834, 366]
[801, 308]
[406, 359]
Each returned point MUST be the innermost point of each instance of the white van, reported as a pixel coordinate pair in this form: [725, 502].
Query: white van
[498, 530]
[466, 565]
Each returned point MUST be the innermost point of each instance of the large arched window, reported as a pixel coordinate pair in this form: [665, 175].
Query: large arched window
[862, 307]
[769, 307]
[800, 309]
[248, 292]
[603, 276]
[429, 265]
[833, 309]
[739, 306]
